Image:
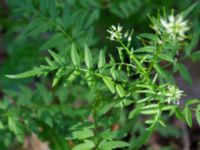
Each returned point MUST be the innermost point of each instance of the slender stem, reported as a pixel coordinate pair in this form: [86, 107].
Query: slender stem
[65, 33]
[96, 141]
[125, 64]
[133, 57]
[153, 62]
[139, 65]
[58, 27]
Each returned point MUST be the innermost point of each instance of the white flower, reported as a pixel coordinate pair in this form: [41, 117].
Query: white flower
[164, 23]
[129, 38]
[175, 26]
[115, 32]
[171, 18]
[173, 94]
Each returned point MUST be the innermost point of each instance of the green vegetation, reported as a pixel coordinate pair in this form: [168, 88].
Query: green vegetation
[95, 85]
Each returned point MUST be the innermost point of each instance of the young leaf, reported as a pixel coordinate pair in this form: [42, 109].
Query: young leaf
[23, 75]
[88, 57]
[114, 73]
[149, 112]
[188, 116]
[106, 108]
[84, 146]
[184, 72]
[135, 111]
[14, 127]
[108, 134]
[90, 79]
[73, 76]
[92, 17]
[58, 75]
[102, 59]
[49, 62]
[150, 106]
[41, 28]
[168, 107]
[191, 102]
[166, 57]
[56, 57]
[120, 90]
[83, 134]
[197, 113]
[110, 84]
[53, 41]
[52, 8]
[145, 49]
[66, 19]
[141, 140]
[74, 55]
[195, 55]
[160, 71]
[187, 11]
[36, 25]
[194, 40]
[179, 114]
[112, 145]
[149, 36]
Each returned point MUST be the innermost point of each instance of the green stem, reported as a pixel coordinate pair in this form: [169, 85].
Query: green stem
[139, 65]
[96, 141]
[58, 27]
[154, 61]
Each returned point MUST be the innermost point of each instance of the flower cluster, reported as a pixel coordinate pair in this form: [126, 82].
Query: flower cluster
[173, 94]
[175, 26]
[116, 33]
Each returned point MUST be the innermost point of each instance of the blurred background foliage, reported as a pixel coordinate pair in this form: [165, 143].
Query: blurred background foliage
[28, 28]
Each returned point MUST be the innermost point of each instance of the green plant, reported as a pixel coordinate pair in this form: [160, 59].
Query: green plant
[118, 90]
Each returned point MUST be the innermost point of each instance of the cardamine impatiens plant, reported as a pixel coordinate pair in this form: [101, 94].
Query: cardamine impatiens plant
[138, 83]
